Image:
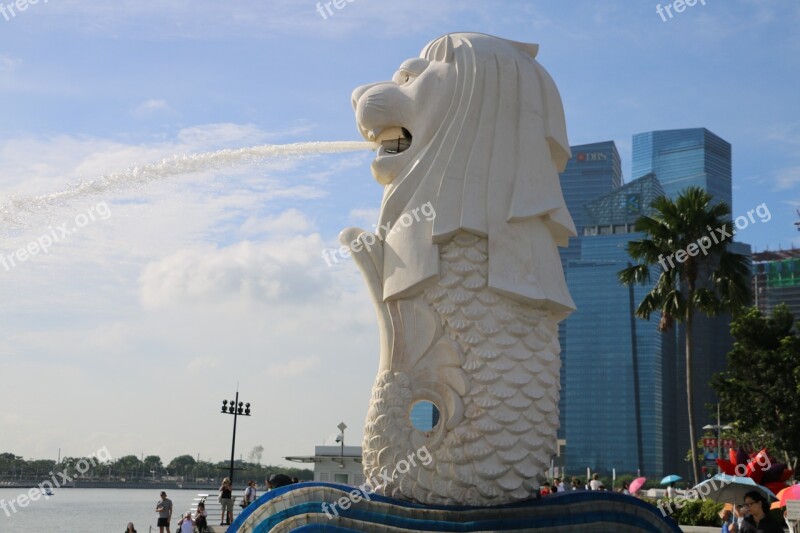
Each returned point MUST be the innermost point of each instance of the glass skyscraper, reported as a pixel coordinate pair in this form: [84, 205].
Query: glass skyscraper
[593, 170]
[601, 342]
[613, 384]
[684, 158]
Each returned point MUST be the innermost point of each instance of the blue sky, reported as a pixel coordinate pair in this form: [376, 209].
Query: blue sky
[138, 325]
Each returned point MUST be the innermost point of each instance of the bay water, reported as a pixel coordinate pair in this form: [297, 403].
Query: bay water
[93, 510]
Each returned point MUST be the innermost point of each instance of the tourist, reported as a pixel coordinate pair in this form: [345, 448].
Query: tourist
[200, 517]
[545, 490]
[727, 521]
[130, 528]
[739, 512]
[576, 484]
[560, 484]
[278, 480]
[164, 510]
[186, 524]
[758, 520]
[624, 489]
[672, 493]
[225, 499]
[249, 494]
[554, 486]
[594, 484]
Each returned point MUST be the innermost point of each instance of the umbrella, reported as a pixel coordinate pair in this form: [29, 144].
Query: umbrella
[636, 484]
[791, 493]
[672, 478]
[724, 488]
[777, 505]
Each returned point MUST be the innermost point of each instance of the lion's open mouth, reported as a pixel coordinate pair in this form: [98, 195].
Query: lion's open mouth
[395, 140]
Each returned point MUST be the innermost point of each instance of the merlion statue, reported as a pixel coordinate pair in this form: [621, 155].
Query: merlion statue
[468, 300]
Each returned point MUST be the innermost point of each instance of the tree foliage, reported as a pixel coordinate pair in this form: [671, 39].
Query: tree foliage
[760, 389]
[710, 282]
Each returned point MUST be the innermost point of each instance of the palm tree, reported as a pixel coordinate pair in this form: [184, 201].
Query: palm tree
[686, 241]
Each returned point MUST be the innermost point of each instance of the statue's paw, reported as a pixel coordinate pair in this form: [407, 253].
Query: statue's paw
[367, 251]
[358, 240]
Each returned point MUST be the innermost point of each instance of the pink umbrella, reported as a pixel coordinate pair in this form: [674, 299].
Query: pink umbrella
[791, 493]
[636, 484]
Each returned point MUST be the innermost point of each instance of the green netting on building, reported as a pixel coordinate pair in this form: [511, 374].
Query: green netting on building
[784, 273]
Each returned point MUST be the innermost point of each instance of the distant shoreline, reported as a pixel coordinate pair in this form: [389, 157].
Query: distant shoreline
[163, 485]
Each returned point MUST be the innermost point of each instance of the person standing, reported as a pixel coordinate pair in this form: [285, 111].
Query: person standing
[759, 520]
[671, 492]
[226, 500]
[164, 510]
[249, 494]
[594, 484]
[727, 521]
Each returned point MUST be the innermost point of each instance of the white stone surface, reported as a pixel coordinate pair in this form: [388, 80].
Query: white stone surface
[468, 300]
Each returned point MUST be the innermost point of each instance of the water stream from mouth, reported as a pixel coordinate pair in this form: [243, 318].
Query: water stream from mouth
[17, 209]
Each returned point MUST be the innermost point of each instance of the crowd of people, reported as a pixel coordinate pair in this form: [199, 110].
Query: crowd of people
[750, 517]
[199, 519]
[564, 485]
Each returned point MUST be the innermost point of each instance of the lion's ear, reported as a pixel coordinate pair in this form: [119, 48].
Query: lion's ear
[444, 50]
[528, 48]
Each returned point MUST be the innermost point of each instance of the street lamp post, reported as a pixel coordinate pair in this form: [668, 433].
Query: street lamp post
[235, 408]
[719, 427]
[342, 427]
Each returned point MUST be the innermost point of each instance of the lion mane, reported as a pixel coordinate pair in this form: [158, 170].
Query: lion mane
[491, 170]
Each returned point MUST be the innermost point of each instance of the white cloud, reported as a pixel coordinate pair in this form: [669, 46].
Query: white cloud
[204, 364]
[287, 222]
[365, 218]
[294, 367]
[151, 106]
[274, 271]
[8, 64]
[787, 178]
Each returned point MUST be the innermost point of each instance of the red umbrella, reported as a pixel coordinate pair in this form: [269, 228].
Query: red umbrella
[791, 493]
[636, 484]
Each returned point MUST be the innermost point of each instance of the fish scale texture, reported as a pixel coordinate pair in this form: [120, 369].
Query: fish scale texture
[492, 369]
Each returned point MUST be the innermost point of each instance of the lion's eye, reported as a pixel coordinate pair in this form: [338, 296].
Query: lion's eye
[409, 71]
[403, 77]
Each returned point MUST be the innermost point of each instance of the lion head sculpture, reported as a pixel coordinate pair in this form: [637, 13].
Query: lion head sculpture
[476, 126]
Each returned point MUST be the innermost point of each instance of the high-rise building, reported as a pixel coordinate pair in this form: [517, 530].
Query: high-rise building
[776, 280]
[680, 159]
[593, 170]
[684, 158]
[601, 342]
[613, 381]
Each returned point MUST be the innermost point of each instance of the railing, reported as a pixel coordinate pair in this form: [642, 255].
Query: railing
[213, 511]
